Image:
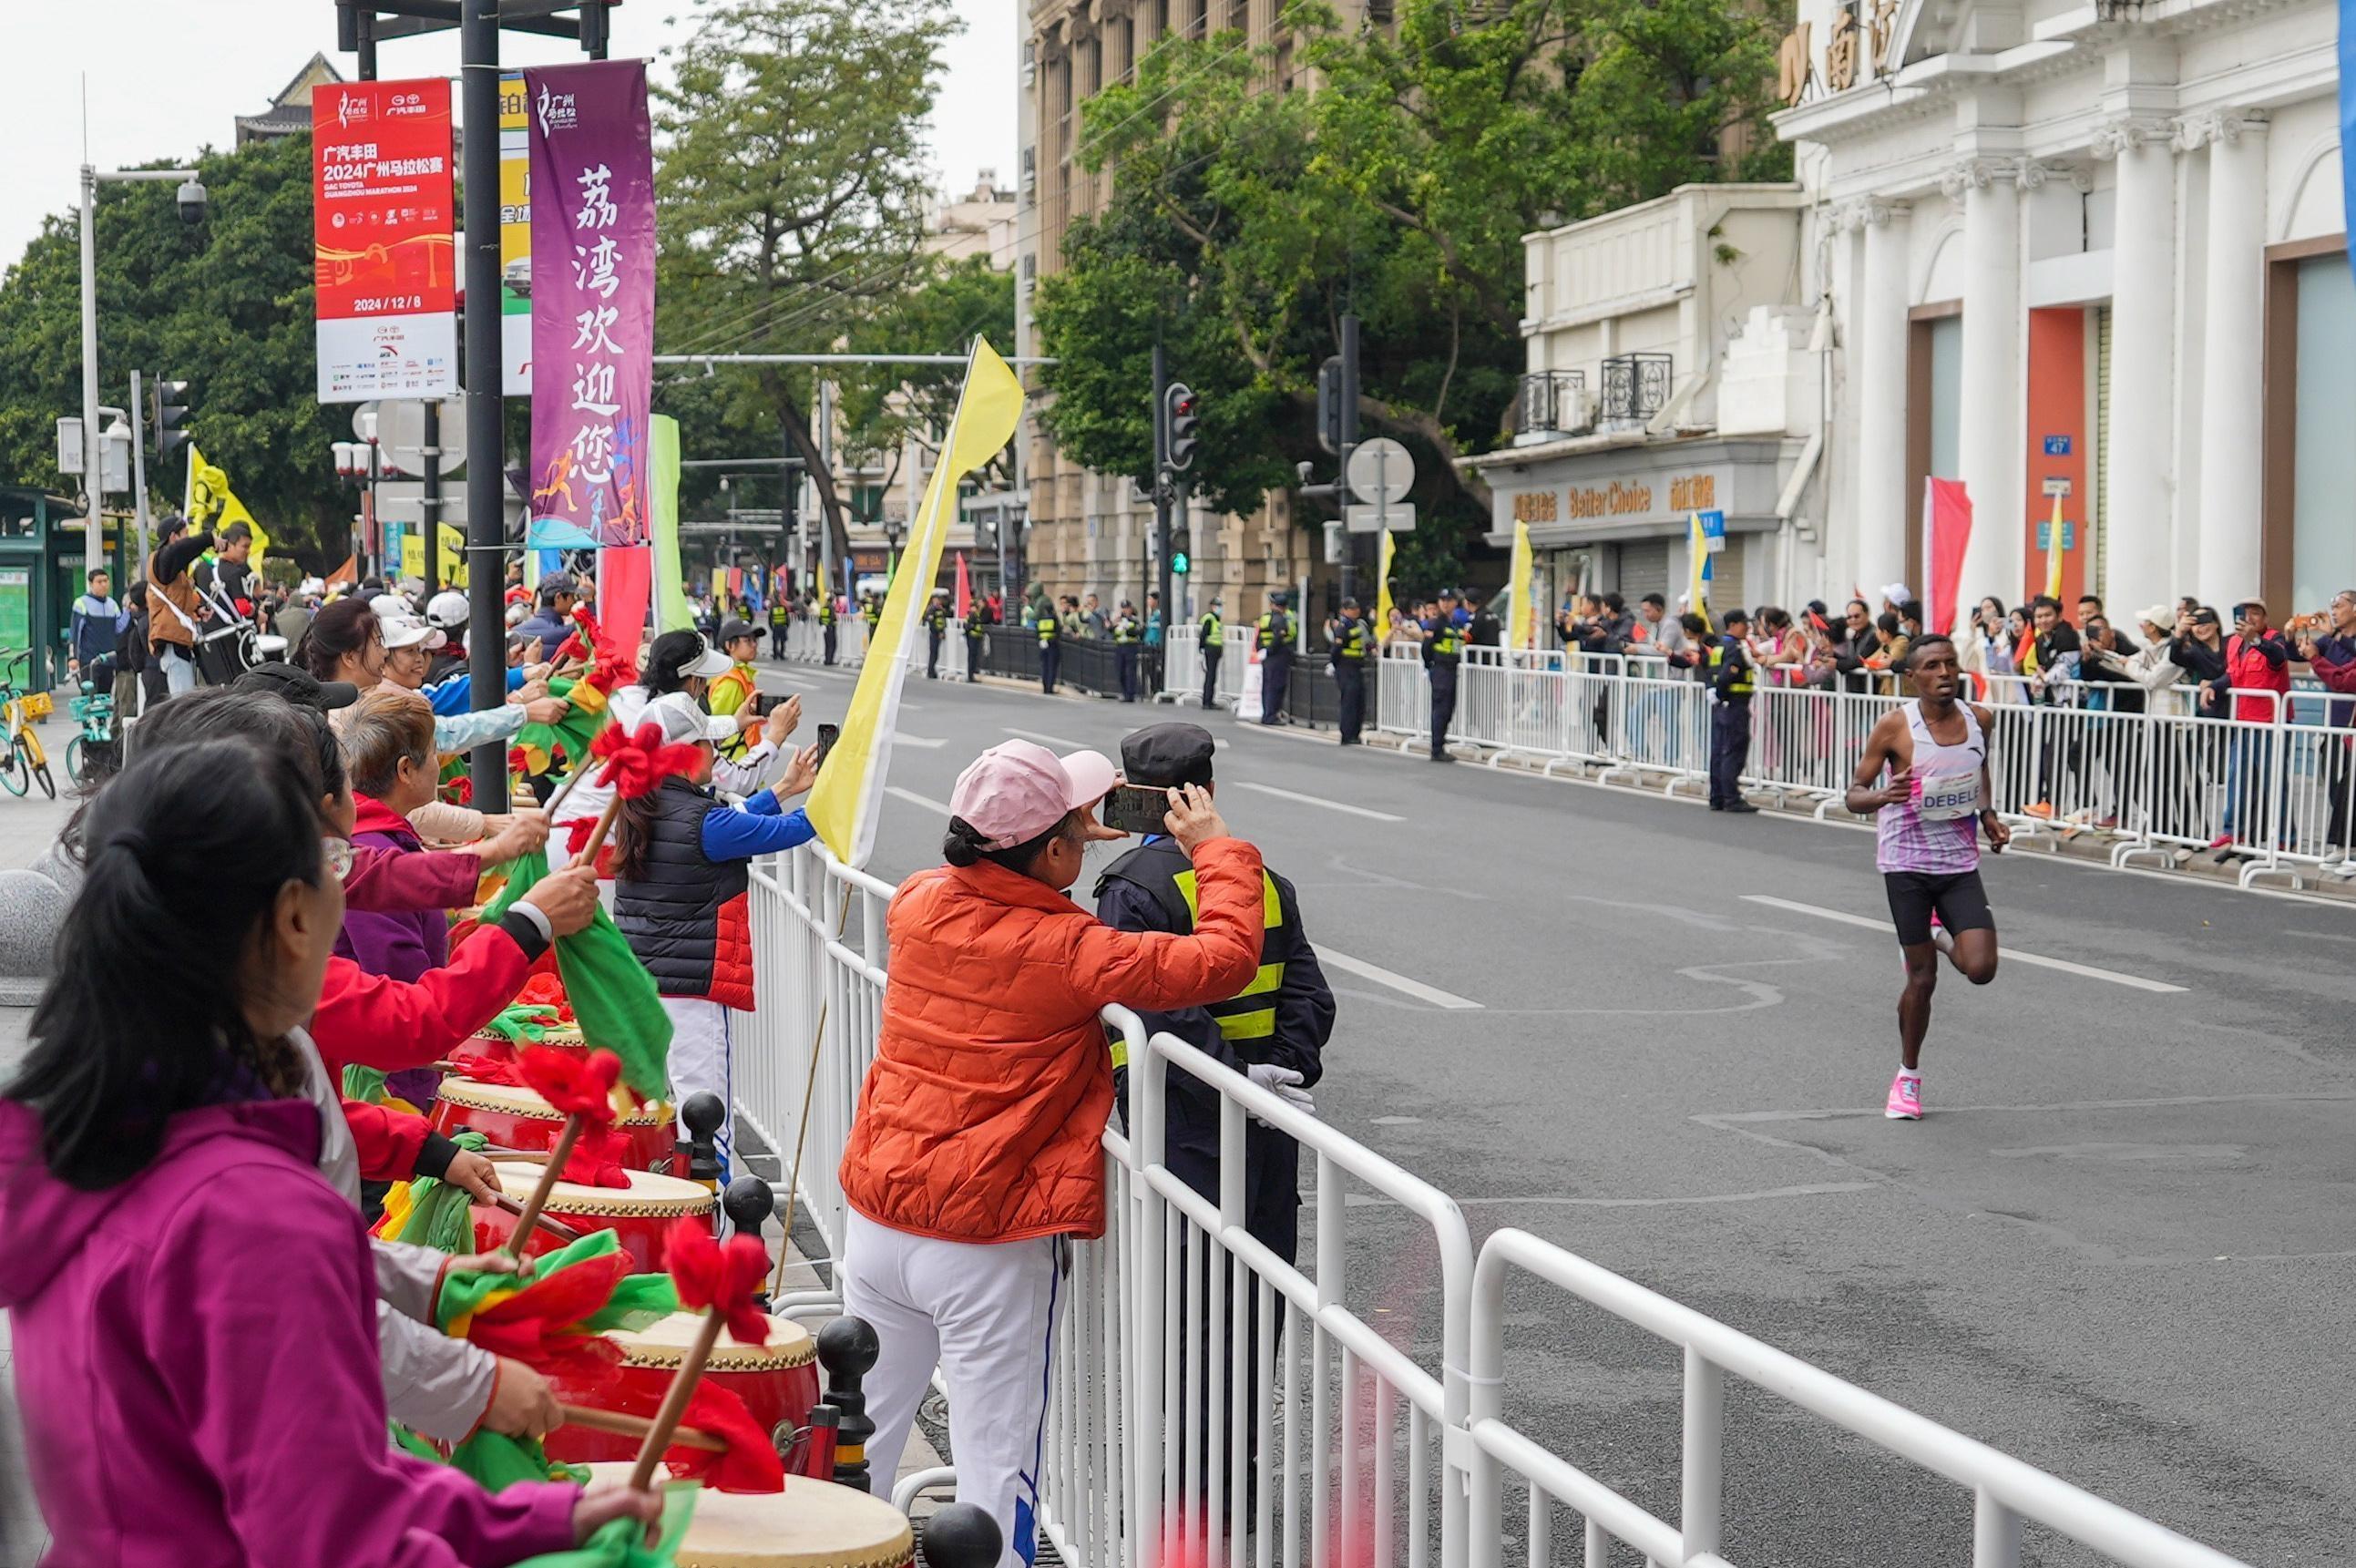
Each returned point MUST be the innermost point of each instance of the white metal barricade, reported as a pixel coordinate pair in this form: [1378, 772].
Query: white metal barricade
[2006, 1492]
[1403, 695]
[820, 951]
[1182, 662]
[1664, 729]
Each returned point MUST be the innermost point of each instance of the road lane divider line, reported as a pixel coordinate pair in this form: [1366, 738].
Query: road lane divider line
[928, 742]
[2008, 955]
[914, 798]
[1320, 800]
[1063, 741]
[1396, 981]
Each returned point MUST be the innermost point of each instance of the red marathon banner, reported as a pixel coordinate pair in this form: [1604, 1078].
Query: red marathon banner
[382, 208]
[593, 303]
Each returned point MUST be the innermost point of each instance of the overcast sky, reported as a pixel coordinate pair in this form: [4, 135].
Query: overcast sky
[168, 77]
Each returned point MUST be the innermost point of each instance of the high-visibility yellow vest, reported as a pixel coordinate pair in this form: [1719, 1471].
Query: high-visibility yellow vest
[1215, 633]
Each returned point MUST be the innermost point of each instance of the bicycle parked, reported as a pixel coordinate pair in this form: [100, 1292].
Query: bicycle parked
[26, 759]
[96, 750]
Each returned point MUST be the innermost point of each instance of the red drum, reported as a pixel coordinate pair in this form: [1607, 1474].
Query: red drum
[639, 1215]
[499, 1049]
[810, 1524]
[513, 1117]
[778, 1382]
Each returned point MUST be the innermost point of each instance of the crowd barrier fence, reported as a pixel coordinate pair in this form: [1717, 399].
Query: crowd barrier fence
[1214, 1402]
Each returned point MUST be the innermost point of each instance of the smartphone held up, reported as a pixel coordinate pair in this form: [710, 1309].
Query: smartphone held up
[1136, 809]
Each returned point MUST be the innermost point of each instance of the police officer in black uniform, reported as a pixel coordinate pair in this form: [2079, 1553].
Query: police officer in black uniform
[871, 610]
[1051, 650]
[1354, 643]
[781, 616]
[1213, 647]
[1483, 632]
[1128, 637]
[1443, 650]
[1275, 658]
[936, 627]
[1274, 1033]
[826, 620]
[1730, 682]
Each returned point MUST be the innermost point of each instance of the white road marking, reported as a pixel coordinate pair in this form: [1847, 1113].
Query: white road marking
[1063, 741]
[914, 798]
[1321, 800]
[928, 742]
[2010, 955]
[1396, 981]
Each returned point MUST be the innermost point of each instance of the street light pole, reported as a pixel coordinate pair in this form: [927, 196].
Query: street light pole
[94, 476]
[478, 53]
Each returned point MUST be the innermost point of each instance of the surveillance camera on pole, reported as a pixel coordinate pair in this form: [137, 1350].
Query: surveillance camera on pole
[192, 200]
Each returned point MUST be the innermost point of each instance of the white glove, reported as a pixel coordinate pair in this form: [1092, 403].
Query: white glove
[1282, 1082]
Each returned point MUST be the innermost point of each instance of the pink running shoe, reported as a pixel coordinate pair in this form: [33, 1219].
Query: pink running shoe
[1906, 1097]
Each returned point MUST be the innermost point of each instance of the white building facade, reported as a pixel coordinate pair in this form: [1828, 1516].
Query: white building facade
[2091, 251]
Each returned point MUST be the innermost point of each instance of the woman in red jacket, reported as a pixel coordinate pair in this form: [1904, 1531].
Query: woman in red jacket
[975, 1152]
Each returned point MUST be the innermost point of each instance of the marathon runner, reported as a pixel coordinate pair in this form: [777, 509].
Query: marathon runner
[1926, 769]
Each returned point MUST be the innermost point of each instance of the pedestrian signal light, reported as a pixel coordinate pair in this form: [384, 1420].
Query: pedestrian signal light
[1183, 411]
[1178, 563]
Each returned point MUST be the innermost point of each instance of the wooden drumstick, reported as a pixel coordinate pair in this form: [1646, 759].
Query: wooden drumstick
[674, 1405]
[515, 1206]
[529, 1214]
[622, 1425]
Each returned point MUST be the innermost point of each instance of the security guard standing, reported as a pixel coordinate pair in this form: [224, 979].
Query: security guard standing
[1731, 683]
[1443, 650]
[976, 617]
[1213, 647]
[1051, 652]
[871, 610]
[826, 620]
[1275, 657]
[1353, 641]
[1274, 1032]
[781, 616]
[1128, 634]
[936, 627]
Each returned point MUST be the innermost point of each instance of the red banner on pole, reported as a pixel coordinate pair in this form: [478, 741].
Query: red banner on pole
[1946, 530]
[385, 262]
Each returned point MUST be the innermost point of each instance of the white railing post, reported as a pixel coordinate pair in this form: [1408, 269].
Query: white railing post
[1705, 1453]
[1996, 1532]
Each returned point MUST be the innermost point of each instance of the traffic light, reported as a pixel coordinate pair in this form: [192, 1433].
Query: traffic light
[1329, 405]
[1183, 415]
[1178, 563]
[165, 414]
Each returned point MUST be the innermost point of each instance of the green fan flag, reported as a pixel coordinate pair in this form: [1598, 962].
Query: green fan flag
[614, 998]
[637, 1301]
[525, 1024]
[438, 1215]
[568, 737]
[621, 1543]
[365, 1084]
[498, 1461]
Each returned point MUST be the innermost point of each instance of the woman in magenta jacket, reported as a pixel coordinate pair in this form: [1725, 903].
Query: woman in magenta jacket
[193, 1304]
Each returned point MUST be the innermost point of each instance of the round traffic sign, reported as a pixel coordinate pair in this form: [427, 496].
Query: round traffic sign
[1381, 470]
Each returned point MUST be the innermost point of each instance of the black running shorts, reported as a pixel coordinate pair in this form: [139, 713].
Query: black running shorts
[1962, 903]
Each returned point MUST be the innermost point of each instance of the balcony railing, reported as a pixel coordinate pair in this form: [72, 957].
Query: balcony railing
[1636, 388]
[1553, 402]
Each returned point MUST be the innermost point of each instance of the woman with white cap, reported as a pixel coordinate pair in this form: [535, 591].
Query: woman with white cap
[974, 1156]
[682, 872]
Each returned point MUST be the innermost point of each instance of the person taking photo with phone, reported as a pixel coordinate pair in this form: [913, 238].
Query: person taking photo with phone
[975, 1154]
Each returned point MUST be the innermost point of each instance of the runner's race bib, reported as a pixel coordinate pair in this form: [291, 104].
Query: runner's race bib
[1943, 797]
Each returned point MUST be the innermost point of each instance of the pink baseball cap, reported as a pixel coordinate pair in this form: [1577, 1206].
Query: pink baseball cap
[1017, 790]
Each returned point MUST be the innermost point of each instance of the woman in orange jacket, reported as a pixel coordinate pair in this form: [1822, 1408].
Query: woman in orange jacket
[975, 1153]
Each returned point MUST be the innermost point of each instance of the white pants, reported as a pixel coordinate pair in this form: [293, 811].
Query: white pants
[699, 1060]
[179, 672]
[986, 1315]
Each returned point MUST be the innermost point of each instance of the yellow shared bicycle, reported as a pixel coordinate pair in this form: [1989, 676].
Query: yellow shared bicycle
[26, 759]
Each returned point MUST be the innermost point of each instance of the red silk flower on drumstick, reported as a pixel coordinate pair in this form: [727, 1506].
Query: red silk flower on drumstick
[580, 1084]
[748, 1461]
[635, 764]
[724, 1280]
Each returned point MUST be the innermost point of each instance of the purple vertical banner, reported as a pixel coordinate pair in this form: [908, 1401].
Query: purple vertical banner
[592, 302]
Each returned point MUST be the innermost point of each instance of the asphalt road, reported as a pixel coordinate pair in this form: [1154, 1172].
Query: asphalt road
[2116, 1248]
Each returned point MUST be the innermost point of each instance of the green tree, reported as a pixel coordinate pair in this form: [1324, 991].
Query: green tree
[792, 186]
[1244, 222]
[226, 305]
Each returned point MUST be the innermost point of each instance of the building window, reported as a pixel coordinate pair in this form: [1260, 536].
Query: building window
[2323, 528]
[1934, 380]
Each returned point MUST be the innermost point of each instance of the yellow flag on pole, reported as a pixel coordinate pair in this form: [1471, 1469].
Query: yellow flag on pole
[848, 797]
[1383, 589]
[2054, 552]
[1520, 621]
[1697, 590]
